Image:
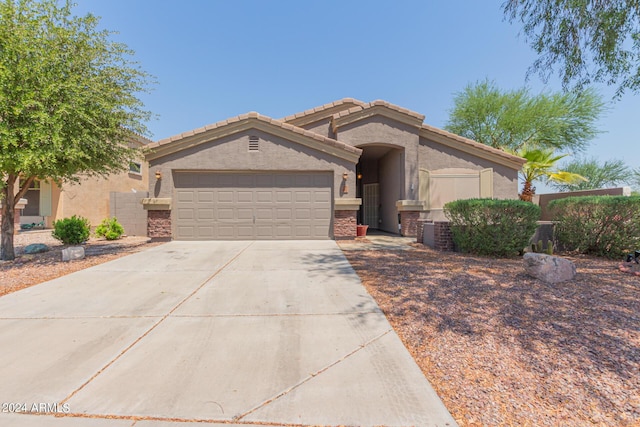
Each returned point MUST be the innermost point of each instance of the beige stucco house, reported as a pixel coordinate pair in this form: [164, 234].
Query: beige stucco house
[89, 197]
[316, 174]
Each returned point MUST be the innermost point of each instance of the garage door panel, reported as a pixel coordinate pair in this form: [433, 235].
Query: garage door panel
[225, 213]
[253, 205]
[284, 197]
[264, 196]
[205, 214]
[264, 214]
[302, 213]
[225, 196]
[246, 231]
[225, 232]
[244, 213]
[322, 214]
[186, 232]
[206, 231]
[303, 231]
[186, 213]
[185, 196]
[322, 196]
[284, 214]
[244, 196]
[205, 197]
[302, 196]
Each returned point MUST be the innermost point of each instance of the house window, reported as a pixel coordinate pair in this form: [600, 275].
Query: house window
[135, 167]
[33, 200]
[253, 143]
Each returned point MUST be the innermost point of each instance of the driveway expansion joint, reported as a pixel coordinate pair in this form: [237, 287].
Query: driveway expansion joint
[311, 376]
[155, 325]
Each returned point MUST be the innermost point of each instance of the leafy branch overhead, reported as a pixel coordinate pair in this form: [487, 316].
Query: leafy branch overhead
[583, 41]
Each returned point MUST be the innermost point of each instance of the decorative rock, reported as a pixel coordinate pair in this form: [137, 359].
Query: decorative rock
[548, 268]
[72, 253]
[36, 248]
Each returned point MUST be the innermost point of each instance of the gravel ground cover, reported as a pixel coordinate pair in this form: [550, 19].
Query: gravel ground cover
[28, 270]
[501, 348]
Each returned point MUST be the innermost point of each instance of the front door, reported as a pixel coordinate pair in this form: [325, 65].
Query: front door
[371, 204]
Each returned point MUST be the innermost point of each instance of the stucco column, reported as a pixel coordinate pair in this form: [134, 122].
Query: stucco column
[410, 211]
[158, 218]
[345, 218]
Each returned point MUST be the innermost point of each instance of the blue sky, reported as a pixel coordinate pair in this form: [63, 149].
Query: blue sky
[217, 59]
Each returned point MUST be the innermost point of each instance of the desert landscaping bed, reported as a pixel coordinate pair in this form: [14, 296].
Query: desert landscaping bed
[28, 270]
[501, 348]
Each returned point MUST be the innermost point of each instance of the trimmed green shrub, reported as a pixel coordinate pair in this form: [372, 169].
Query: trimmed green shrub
[607, 226]
[492, 227]
[110, 229]
[72, 231]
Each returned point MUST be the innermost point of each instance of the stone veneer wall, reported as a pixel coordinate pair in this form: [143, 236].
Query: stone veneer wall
[345, 224]
[409, 223]
[159, 224]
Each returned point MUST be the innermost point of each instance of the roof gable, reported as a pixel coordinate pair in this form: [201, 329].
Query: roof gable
[322, 112]
[375, 108]
[248, 121]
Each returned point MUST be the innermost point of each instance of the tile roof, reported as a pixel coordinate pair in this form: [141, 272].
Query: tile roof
[344, 102]
[379, 103]
[261, 118]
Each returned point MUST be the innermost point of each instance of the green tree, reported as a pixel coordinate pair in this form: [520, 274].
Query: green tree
[541, 166]
[514, 119]
[585, 41]
[634, 181]
[68, 101]
[599, 175]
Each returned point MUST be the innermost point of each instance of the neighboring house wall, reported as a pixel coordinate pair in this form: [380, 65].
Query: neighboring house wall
[127, 207]
[543, 199]
[90, 197]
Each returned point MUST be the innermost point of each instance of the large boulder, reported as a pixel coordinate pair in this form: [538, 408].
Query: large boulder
[549, 268]
[36, 248]
[72, 253]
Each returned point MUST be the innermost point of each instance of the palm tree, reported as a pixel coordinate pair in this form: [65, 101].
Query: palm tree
[540, 165]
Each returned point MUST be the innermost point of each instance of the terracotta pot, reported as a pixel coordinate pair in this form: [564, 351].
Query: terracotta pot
[361, 230]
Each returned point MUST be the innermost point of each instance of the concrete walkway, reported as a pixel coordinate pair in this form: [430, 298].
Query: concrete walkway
[377, 241]
[219, 332]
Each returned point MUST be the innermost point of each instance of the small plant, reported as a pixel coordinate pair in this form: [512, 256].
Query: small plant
[539, 248]
[72, 231]
[110, 229]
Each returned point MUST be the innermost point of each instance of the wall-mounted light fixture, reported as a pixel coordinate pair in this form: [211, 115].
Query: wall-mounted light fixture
[359, 176]
[345, 187]
[158, 174]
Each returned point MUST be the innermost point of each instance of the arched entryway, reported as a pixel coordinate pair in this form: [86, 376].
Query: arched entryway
[380, 185]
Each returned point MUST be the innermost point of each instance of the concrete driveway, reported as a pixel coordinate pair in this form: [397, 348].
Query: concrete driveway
[220, 332]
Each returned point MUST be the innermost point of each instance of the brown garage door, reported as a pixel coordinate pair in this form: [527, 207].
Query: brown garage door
[263, 206]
